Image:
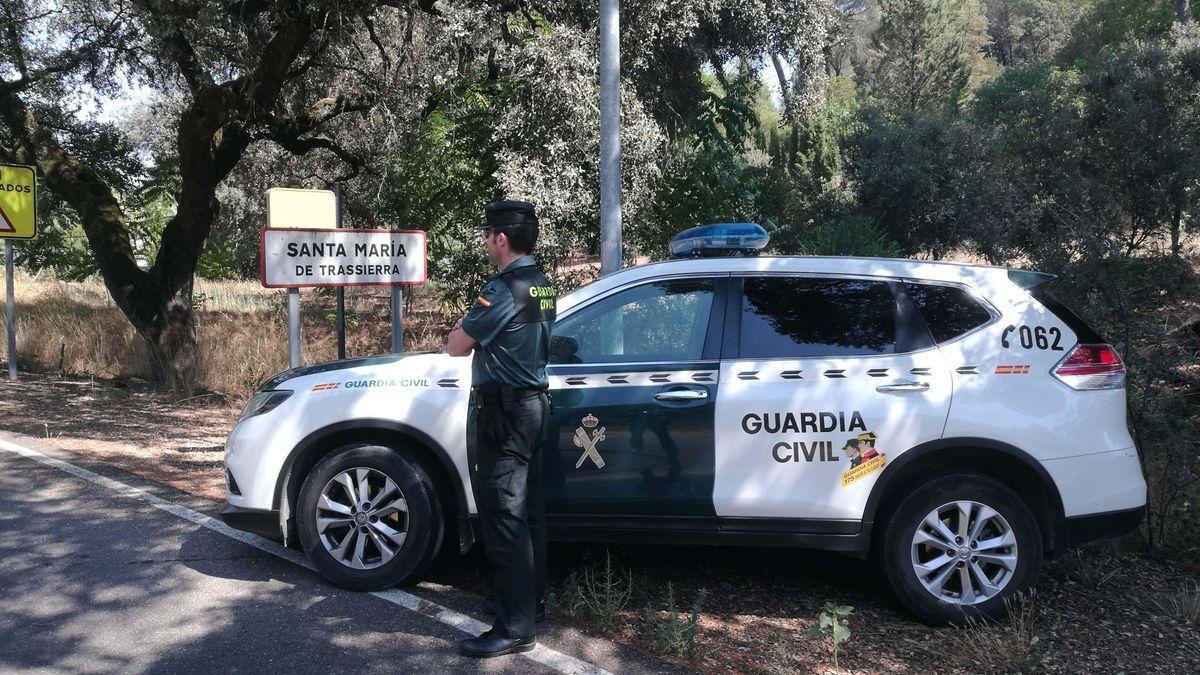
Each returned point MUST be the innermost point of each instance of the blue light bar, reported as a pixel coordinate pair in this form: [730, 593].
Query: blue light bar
[719, 239]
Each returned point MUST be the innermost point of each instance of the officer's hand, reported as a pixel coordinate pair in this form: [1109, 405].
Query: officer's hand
[457, 325]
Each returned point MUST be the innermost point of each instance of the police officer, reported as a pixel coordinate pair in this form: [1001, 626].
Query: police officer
[508, 327]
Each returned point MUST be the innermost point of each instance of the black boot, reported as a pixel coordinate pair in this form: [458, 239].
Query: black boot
[495, 643]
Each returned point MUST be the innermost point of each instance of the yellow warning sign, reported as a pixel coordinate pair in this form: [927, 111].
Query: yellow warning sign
[18, 202]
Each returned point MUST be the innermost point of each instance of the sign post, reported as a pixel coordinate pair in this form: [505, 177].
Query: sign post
[18, 220]
[341, 292]
[397, 319]
[292, 208]
[10, 314]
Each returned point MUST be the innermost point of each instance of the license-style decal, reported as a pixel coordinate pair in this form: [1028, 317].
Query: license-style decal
[589, 442]
[864, 458]
[1033, 337]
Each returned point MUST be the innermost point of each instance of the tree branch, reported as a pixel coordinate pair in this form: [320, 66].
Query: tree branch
[302, 146]
[387, 60]
[184, 55]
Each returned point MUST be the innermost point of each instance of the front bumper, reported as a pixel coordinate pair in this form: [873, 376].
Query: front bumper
[263, 522]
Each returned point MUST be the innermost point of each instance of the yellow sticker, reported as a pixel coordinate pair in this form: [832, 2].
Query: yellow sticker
[865, 469]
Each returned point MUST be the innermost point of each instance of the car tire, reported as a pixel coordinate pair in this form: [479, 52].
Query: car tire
[927, 566]
[364, 546]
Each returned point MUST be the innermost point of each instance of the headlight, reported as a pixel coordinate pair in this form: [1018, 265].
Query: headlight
[264, 402]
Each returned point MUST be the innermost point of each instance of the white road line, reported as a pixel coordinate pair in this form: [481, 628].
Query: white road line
[563, 663]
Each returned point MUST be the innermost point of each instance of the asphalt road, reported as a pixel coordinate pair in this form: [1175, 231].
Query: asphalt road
[93, 580]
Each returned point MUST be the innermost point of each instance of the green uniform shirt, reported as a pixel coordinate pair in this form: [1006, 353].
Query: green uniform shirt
[511, 320]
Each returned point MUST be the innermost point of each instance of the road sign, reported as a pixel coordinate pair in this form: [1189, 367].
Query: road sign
[18, 202]
[308, 209]
[298, 257]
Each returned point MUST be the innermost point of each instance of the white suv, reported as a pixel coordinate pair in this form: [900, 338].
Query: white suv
[953, 420]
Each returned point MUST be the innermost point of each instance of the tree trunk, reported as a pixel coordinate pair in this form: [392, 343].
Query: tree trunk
[1183, 11]
[158, 302]
[1176, 220]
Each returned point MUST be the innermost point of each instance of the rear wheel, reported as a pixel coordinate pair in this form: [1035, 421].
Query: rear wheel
[959, 546]
[369, 517]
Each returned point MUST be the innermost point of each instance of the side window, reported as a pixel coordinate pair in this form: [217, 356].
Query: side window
[949, 311]
[803, 316]
[658, 321]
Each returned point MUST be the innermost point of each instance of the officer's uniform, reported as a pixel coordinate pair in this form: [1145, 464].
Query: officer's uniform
[511, 322]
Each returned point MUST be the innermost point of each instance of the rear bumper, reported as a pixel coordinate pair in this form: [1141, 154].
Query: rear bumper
[1082, 529]
[263, 522]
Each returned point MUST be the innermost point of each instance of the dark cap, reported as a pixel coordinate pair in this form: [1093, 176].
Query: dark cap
[508, 212]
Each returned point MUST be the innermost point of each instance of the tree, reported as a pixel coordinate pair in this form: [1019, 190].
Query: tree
[245, 71]
[1025, 31]
[924, 53]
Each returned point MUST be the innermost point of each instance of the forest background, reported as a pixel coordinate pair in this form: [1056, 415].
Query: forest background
[1058, 135]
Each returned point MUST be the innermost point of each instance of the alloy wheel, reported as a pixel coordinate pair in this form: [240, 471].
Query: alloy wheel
[964, 552]
[362, 518]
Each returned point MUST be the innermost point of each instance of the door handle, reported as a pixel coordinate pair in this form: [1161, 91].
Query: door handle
[902, 387]
[682, 395]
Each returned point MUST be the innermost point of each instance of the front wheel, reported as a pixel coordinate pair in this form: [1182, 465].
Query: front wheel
[369, 517]
[960, 546]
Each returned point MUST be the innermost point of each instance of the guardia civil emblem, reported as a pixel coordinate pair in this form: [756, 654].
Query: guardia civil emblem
[589, 442]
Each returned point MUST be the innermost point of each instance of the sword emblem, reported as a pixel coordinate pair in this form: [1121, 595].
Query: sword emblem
[589, 443]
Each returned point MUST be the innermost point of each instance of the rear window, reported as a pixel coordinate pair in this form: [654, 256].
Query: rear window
[949, 311]
[805, 317]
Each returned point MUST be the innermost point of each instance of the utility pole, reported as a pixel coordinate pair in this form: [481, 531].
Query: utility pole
[610, 137]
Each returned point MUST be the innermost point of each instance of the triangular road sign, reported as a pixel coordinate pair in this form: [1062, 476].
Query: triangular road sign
[6, 224]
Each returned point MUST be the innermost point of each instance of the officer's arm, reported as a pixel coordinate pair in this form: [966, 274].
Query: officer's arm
[459, 343]
[489, 314]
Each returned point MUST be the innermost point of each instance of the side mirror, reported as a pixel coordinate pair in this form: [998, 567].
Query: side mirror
[564, 350]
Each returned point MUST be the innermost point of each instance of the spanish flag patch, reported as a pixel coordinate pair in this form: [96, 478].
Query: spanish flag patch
[483, 301]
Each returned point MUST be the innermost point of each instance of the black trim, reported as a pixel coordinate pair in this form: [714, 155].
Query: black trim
[1082, 529]
[590, 521]
[1084, 333]
[263, 522]
[912, 331]
[315, 438]
[845, 536]
[733, 319]
[715, 333]
[569, 370]
[789, 525]
[853, 544]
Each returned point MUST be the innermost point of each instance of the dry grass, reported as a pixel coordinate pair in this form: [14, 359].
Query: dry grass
[241, 330]
[1182, 604]
[997, 647]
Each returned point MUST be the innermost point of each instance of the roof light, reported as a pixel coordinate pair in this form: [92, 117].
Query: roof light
[1091, 367]
[719, 239]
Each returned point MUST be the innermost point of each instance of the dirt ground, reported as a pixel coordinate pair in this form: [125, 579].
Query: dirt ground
[1092, 611]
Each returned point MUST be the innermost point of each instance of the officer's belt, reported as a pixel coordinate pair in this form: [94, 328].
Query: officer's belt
[494, 391]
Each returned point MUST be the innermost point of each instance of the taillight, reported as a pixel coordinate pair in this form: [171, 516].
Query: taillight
[1091, 367]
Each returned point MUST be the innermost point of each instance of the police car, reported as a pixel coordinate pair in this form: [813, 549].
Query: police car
[954, 421]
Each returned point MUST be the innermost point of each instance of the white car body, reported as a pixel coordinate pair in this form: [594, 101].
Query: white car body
[1076, 442]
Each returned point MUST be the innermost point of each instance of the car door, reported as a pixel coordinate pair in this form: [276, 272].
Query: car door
[634, 381]
[826, 379]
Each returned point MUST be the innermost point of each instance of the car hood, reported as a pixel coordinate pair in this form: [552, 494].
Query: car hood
[417, 370]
